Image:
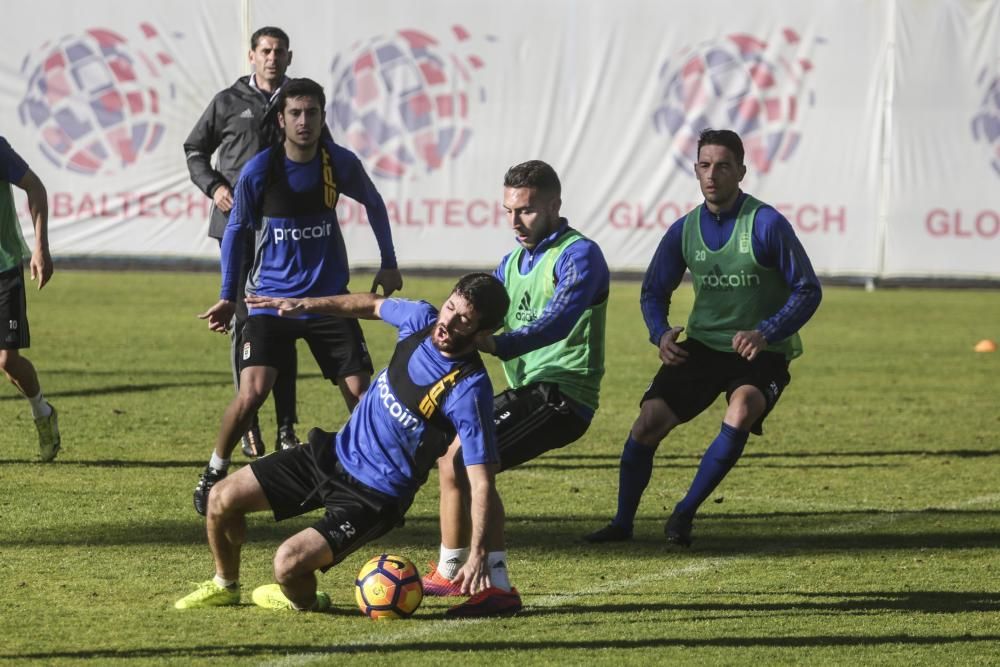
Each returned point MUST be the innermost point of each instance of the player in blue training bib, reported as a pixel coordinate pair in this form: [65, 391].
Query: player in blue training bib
[286, 198]
[434, 389]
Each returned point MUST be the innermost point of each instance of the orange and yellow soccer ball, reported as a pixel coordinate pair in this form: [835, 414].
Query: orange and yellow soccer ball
[388, 587]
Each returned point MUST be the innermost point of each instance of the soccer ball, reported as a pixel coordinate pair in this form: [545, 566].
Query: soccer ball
[388, 587]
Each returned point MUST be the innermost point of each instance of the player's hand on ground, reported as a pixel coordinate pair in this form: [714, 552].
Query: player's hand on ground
[672, 354]
[474, 575]
[390, 280]
[41, 267]
[286, 306]
[748, 344]
[219, 316]
[223, 198]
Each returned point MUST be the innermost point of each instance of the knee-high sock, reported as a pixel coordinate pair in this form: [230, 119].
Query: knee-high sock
[719, 459]
[633, 475]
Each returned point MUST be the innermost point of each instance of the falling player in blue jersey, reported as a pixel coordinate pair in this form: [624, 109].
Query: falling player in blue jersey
[286, 197]
[434, 389]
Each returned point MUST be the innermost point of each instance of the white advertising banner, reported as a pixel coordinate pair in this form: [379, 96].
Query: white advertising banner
[944, 193]
[874, 127]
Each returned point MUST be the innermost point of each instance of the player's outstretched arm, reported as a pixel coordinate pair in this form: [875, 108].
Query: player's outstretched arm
[364, 305]
[486, 514]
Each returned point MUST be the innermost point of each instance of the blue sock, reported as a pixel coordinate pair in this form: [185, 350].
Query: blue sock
[633, 475]
[719, 459]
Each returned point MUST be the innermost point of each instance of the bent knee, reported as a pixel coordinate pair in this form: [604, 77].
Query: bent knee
[654, 422]
[746, 405]
[289, 563]
[224, 498]
[250, 398]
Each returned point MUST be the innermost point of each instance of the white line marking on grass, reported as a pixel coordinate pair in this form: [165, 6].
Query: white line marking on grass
[412, 632]
[438, 628]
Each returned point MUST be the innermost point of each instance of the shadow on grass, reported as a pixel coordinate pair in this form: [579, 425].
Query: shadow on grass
[715, 534]
[124, 389]
[927, 602]
[566, 460]
[195, 465]
[277, 650]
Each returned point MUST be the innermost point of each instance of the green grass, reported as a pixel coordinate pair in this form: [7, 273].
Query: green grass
[862, 529]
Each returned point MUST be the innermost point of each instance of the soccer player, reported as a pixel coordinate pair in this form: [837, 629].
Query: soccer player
[365, 476]
[552, 350]
[286, 197]
[754, 289]
[235, 127]
[14, 335]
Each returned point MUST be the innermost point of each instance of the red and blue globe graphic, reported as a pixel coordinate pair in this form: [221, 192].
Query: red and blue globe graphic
[752, 86]
[403, 102]
[95, 99]
[986, 122]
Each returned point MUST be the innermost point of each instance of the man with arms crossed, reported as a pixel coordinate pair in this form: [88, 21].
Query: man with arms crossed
[235, 125]
[552, 352]
[286, 197]
[14, 335]
[434, 389]
[754, 289]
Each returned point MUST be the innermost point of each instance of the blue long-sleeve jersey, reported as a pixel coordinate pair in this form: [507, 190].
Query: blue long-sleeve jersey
[582, 280]
[379, 443]
[775, 246]
[298, 255]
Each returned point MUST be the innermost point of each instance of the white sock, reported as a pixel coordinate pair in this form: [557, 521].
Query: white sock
[497, 560]
[39, 406]
[218, 463]
[224, 583]
[450, 561]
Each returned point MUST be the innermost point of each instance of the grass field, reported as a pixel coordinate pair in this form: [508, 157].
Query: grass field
[862, 529]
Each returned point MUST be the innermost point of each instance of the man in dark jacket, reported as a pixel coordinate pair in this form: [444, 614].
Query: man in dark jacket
[235, 127]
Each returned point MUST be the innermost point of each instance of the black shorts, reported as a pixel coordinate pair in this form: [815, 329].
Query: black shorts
[14, 334]
[690, 388]
[336, 343]
[533, 419]
[302, 479]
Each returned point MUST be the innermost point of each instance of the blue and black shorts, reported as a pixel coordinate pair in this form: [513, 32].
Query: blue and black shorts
[337, 344]
[690, 388]
[302, 479]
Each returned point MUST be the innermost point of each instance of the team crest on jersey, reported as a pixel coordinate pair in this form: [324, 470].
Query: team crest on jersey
[246, 350]
[745, 243]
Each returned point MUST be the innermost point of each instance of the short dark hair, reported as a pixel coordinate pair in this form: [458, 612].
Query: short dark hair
[269, 31]
[533, 174]
[487, 296]
[300, 88]
[725, 138]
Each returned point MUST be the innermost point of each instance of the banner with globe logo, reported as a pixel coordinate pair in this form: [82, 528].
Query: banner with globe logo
[986, 122]
[853, 114]
[95, 99]
[402, 102]
[756, 87]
